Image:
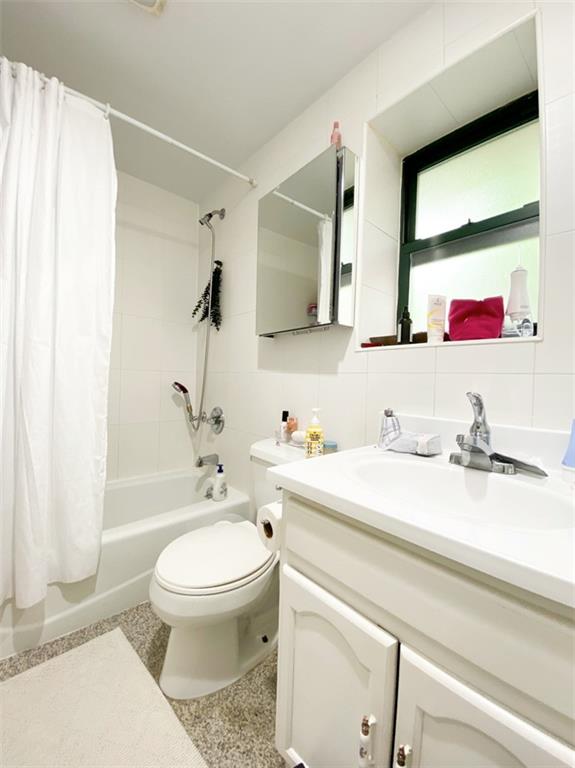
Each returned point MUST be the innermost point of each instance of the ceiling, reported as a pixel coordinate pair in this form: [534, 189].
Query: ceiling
[223, 77]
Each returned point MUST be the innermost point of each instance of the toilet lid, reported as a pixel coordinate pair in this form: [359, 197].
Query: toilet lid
[217, 555]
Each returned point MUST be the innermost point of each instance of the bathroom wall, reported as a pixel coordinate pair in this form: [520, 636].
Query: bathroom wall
[527, 383]
[154, 342]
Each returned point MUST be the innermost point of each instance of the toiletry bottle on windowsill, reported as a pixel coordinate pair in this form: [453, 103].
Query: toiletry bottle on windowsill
[404, 328]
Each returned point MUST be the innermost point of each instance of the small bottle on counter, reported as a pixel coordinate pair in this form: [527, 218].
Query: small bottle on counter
[314, 436]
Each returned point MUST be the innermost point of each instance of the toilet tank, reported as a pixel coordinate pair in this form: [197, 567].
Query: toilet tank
[265, 454]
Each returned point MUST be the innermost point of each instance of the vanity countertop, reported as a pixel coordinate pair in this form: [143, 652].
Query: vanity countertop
[519, 529]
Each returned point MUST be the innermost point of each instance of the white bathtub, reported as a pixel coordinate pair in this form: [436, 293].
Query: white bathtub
[141, 516]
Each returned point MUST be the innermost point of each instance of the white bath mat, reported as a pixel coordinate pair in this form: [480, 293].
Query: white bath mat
[95, 706]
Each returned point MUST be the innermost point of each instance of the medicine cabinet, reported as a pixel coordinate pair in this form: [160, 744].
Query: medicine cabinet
[306, 262]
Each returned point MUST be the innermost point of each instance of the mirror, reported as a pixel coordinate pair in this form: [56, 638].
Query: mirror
[306, 247]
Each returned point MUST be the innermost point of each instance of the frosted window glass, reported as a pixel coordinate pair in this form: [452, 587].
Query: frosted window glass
[474, 275]
[500, 175]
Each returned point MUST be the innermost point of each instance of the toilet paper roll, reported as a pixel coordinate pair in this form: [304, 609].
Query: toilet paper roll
[269, 519]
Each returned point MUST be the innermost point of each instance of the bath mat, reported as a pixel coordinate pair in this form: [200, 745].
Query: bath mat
[95, 706]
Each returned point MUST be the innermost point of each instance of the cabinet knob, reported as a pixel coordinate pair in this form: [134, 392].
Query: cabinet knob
[365, 741]
[403, 753]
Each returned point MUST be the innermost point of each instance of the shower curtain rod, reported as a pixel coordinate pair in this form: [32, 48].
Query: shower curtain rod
[108, 110]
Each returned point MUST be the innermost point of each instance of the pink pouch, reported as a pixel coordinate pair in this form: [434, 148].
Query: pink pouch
[470, 319]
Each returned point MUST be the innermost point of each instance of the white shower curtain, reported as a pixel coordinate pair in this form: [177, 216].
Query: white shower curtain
[57, 220]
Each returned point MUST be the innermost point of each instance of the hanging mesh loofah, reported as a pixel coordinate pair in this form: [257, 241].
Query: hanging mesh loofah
[204, 300]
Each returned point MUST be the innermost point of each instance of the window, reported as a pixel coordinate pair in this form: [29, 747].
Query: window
[470, 210]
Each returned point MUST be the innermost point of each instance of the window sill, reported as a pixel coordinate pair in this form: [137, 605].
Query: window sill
[445, 344]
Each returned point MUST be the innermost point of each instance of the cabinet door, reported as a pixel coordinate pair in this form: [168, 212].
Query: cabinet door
[335, 667]
[446, 724]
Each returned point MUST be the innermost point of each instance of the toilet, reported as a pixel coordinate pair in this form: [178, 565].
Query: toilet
[217, 588]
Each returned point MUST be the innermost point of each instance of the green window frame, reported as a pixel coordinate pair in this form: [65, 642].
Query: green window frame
[502, 120]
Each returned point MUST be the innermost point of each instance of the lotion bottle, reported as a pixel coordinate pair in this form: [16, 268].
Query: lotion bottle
[314, 436]
[220, 490]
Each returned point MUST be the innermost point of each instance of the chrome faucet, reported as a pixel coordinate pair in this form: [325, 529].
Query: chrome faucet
[211, 458]
[476, 451]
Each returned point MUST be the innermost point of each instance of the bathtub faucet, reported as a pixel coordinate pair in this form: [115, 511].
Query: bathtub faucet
[211, 458]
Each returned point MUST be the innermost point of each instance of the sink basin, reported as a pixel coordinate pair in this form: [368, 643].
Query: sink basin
[436, 488]
[518, 529]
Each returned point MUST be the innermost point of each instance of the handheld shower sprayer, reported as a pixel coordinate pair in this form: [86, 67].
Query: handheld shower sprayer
[186, 395]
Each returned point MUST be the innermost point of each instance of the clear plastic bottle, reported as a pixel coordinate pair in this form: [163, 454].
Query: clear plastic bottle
[314, 436]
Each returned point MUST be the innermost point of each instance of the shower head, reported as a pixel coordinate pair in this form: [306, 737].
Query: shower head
[183, 391]
[206, 218]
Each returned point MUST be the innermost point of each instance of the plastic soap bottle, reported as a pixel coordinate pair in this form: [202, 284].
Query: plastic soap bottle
[220, 490]
[314, 436]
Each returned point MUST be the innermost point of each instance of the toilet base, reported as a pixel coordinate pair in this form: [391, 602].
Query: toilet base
[200, 660]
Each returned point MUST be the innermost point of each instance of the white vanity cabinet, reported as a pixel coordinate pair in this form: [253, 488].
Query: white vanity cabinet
[336, 669]
[457, 671]
[442, 723]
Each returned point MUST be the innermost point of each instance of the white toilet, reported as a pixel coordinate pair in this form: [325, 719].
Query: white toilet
[217, 588]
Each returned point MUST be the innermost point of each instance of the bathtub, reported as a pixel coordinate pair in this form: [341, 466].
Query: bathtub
[141, 516]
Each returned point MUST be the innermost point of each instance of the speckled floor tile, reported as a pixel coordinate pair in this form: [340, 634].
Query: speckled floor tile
[233, 728]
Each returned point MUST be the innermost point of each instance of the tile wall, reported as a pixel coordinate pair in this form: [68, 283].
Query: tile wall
[154, 342]
[527, 384]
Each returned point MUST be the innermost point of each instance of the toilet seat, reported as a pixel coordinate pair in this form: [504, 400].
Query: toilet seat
[213, 559]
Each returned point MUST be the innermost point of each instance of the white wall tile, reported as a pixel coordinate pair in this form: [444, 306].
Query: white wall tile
[142, 275]
[557, 25]
[559, 210]
[508, 397]
[112, 456]
[299, 394]
[402, 359]
[404, 392]
[139, 396]
[412, 56]
[176, 447]
[178, 282]
[379, 259]
[487, 358]
[469, 25]
[352, 101]
[116, 352]
[376, 313]
[342, 401]
[382, 185]
[138, 449]
[556, 353]
[141, 343]
[114, 396]
[157, 263]
[554, 401]
[289, 353]
[178, 348]
[338, 354]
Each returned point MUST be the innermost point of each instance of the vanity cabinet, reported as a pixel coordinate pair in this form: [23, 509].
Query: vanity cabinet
[446, 724]
[455, 671]
[336, 669]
